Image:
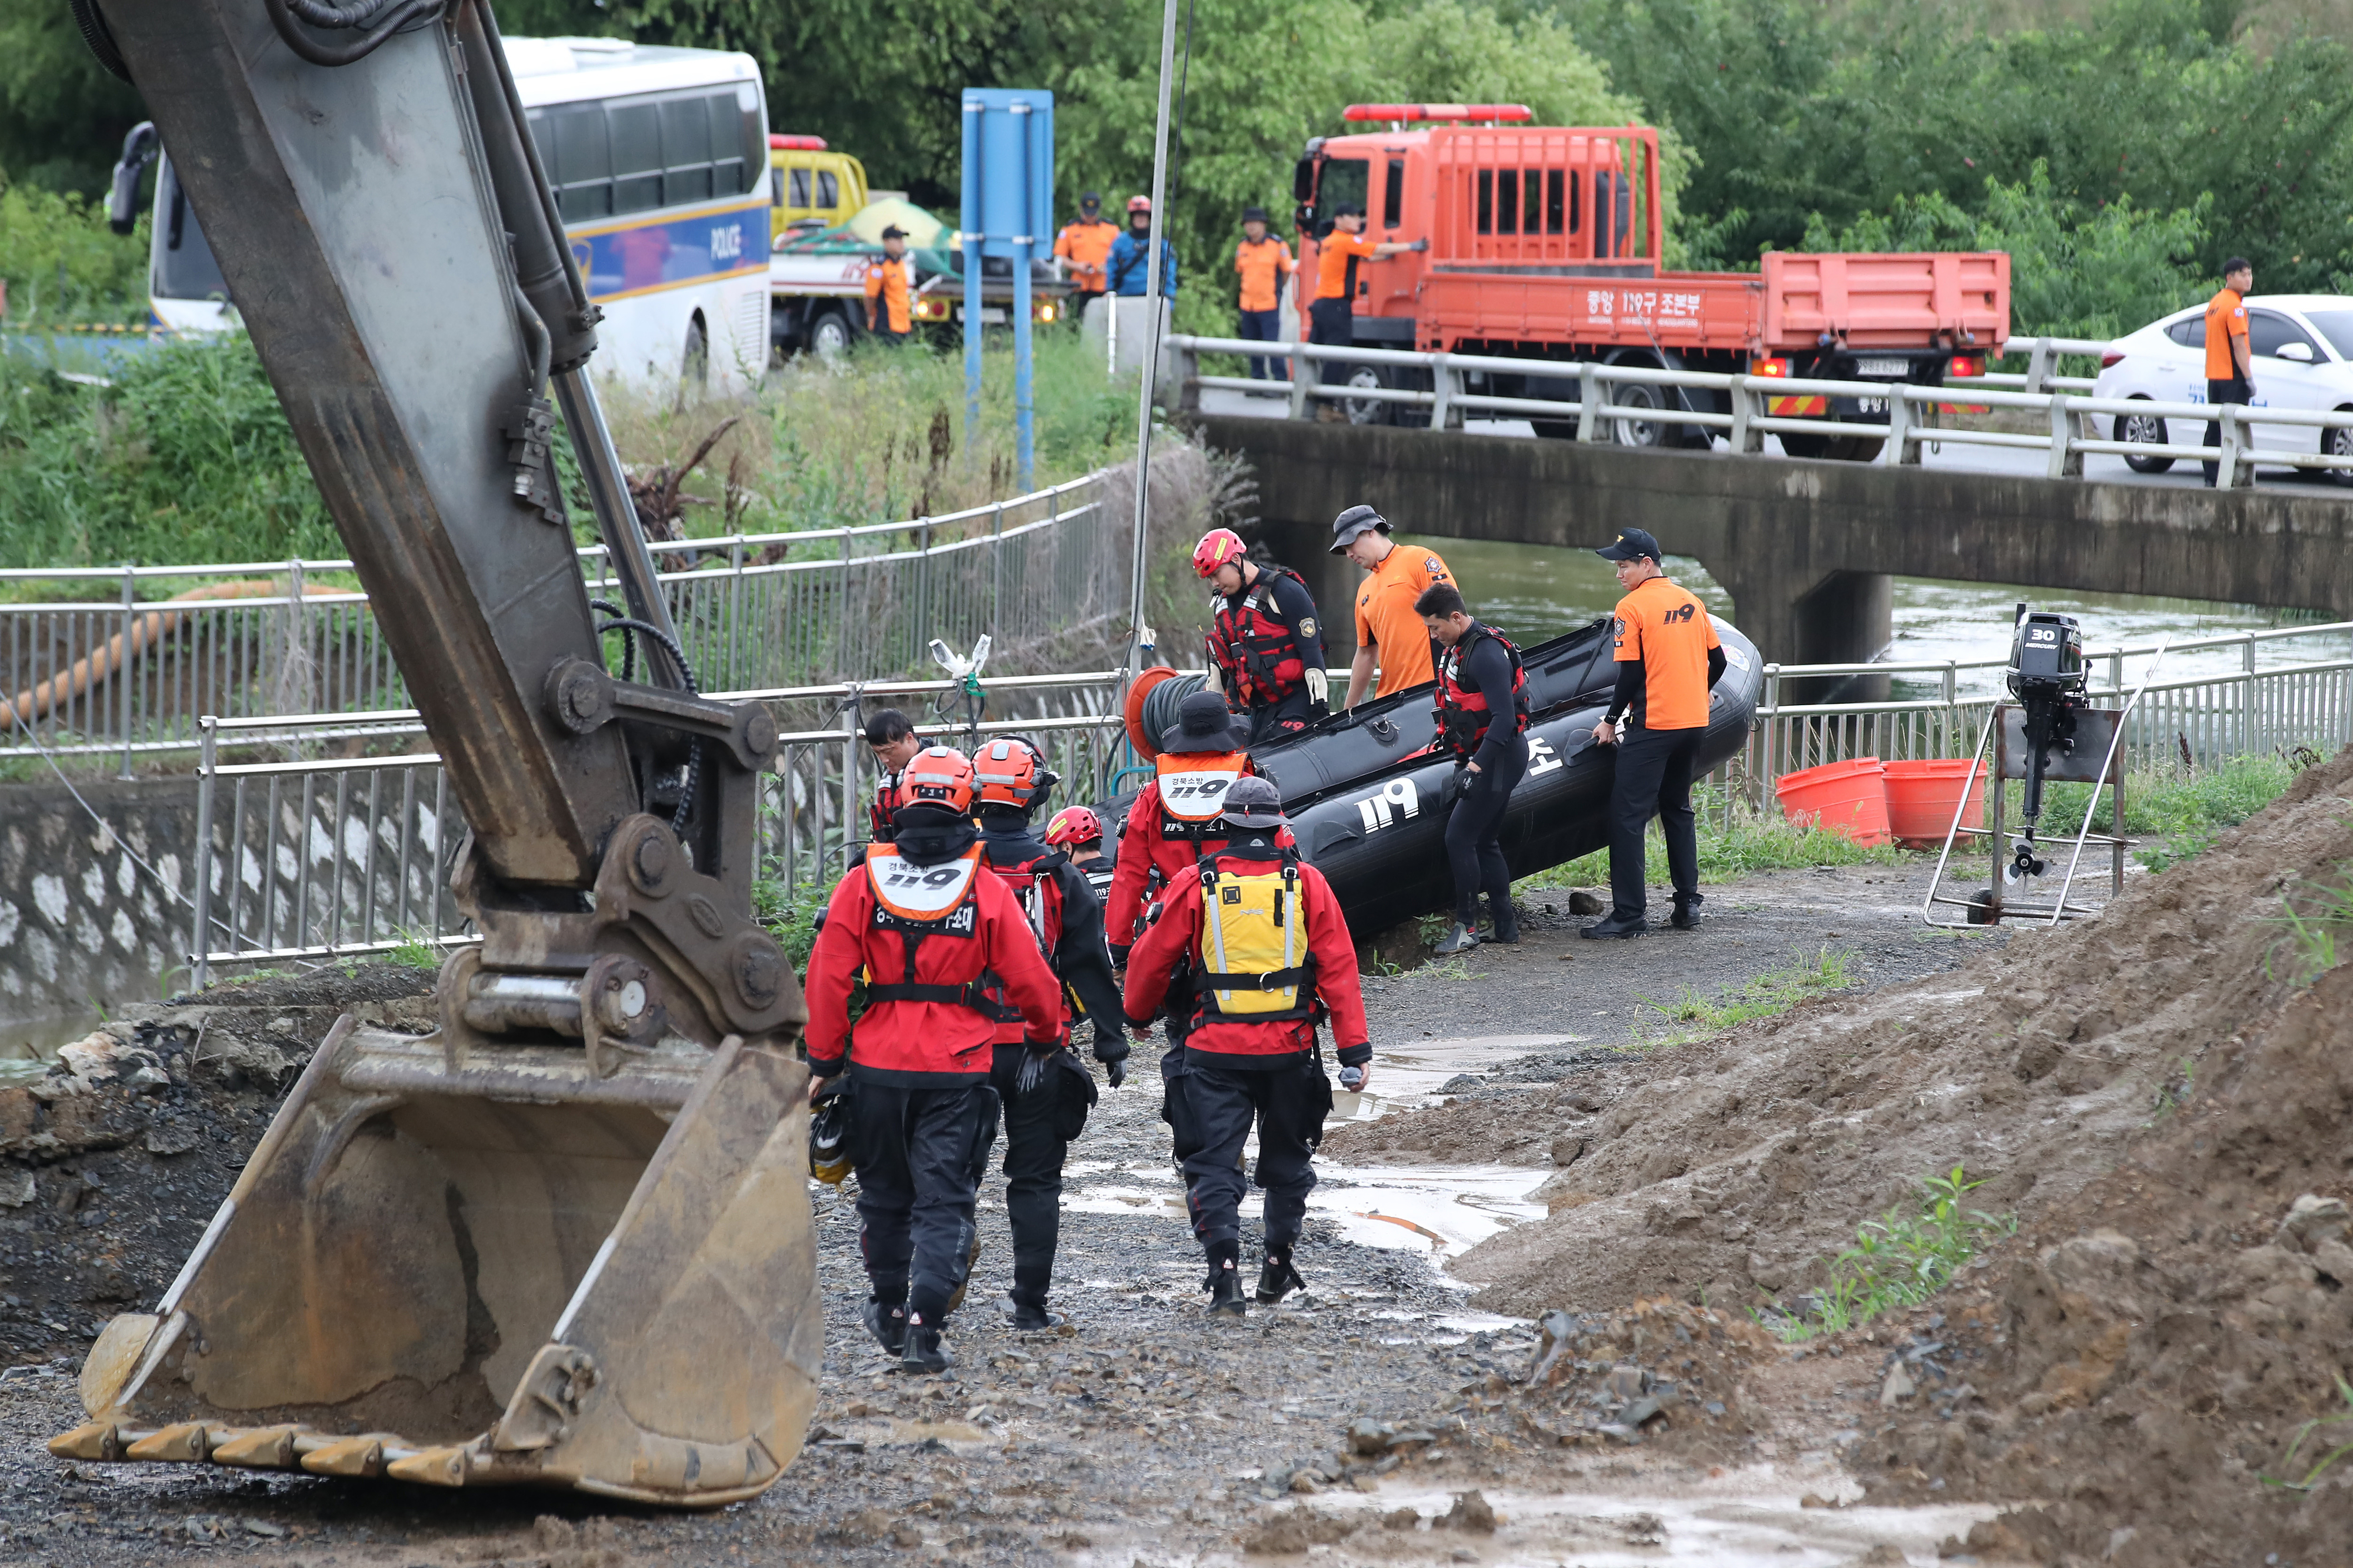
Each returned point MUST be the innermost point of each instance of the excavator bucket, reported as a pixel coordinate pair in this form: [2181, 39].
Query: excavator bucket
[497, 1266]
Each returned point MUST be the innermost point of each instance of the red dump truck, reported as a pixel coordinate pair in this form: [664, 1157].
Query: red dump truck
[1545, 243]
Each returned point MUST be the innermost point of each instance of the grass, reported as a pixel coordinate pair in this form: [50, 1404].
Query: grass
[2183, 810]
[1898, 1260]
[790, 913]
[1755, 842]
[2342, 1417]
[1761, 996]
[417, 950]
[2318, 914]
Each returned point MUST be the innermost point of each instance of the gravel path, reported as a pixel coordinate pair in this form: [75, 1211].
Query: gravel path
[1144, 1433]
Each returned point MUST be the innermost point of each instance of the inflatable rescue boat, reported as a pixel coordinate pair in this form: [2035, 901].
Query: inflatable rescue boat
[1367, 798]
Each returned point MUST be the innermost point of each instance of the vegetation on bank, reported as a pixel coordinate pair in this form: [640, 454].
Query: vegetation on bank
[1898, 1260]
[2176, 811]
[1753, 841]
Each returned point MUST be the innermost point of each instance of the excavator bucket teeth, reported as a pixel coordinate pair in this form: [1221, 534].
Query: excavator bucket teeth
[495, 1267]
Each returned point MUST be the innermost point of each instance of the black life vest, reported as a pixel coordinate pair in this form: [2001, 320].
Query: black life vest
[1032, 884]
[1463, 714]
[1260, 659]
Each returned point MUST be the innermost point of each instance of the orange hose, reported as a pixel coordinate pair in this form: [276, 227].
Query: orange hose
[99, 664]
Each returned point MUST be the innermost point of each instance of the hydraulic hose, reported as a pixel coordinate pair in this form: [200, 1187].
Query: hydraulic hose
[288, 17]
[632, 628]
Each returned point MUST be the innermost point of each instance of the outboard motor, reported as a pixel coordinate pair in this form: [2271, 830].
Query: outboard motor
[2046, 675]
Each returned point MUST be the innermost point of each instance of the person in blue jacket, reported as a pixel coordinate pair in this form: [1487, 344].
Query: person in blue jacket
[1128, 269]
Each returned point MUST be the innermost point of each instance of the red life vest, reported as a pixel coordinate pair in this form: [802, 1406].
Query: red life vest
[1463, 714]
[887, 802]
[1260, 659]
[1193, 787]
[920, 903]
[1036, 889]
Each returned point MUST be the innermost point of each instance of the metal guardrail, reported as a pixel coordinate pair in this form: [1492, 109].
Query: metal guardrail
[324, 857]
[129, 676]
[1910, 412]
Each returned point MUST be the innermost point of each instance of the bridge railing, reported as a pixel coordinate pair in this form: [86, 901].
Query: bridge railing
[130, 673]
[317, 858]
[1627, 404]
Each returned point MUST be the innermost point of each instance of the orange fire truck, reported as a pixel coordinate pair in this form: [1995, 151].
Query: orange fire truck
[1545, 243]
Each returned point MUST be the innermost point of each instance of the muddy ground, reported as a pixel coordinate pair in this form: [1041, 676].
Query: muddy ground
[1658, 1431]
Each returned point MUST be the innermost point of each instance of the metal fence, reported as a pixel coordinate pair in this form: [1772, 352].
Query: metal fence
[132, 674]
[1622, 404]
[338, 856]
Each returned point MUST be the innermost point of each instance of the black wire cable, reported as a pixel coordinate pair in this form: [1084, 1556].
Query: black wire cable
[288, 16]
[632, 627]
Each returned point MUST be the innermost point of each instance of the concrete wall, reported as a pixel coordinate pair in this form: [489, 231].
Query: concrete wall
[82, 927]
[1798, 545]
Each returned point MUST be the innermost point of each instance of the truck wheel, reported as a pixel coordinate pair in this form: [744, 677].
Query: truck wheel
[829, 335]
[2148, 428]
[1833, 448]
[1367, 410]
[1650, 432]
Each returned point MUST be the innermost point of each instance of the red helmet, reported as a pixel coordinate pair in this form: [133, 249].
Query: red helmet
[1008, 773]
[1074, 825]
[1217, 547]
[939, 775]
[1139, 204]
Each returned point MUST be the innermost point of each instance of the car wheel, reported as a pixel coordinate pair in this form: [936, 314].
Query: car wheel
[1366, 410]
[2148, 429]
[2338, 443]
[828, 335]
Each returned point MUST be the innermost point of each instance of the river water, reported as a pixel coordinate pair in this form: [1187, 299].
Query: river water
[1534, 593]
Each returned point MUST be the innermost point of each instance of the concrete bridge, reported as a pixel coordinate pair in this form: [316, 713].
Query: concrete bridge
[1805, 548]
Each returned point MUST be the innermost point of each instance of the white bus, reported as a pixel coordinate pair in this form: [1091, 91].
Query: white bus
[660, 161]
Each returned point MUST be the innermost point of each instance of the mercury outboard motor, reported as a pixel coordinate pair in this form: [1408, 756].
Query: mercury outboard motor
[2046, 675]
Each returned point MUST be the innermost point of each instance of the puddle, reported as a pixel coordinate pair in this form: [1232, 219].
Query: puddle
[1749, 1522]
[1413, 1073]
[1442, 1211]
[27, 1046]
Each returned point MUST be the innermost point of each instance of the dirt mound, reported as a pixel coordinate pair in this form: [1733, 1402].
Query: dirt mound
[2167, 1330]
[2036, 1066]
[113, 1166]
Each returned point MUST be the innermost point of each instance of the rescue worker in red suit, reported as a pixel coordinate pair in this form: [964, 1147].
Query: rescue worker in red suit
[1078, 833]
[932, 934]
[1045, 1097]
[1266, 650]
[1174, 821]
[1263, 934]
[892, 738]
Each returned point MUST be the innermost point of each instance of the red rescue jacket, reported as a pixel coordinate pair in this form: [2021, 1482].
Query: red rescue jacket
[1175, 939]
[1167, 829]
[923, 938]
[1463, 714]
[1258, 652]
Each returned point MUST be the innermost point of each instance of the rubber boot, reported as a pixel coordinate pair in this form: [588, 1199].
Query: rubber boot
[888, 1324]
[1461, 939]
[924, 1353]
[1276, 1277]
[1686, 913]
[1028, 1318]
[1504, 921]
[1225, 1281]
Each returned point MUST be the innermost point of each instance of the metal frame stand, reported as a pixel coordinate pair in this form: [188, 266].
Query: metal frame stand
[2097, 730]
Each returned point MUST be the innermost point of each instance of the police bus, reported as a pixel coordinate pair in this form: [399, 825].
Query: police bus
[658, 157]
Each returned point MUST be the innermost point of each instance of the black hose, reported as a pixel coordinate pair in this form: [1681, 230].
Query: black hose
[288, 17]
[628, 637]
[100, 39]
[542, 344]
[627, 624]
[1162, 702]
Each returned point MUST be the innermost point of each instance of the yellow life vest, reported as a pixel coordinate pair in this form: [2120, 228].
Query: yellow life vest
[1254, 960]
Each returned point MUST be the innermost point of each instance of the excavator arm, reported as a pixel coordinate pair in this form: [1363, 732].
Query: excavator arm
[566, 1238]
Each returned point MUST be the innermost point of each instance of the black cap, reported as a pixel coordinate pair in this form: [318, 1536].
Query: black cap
[1347, 209]
[1252, 802]
[1353, 523]
[1203, 724]
[1091, 199]
[1631, 545]
[1255, 214]
[894, 232]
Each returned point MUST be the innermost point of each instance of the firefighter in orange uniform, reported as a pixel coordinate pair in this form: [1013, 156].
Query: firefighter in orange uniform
[1332, 319]
[1046, 1097]
[931, 934]
[1085, 244]
[1262, 263]
[1261, 935]
[889, 290]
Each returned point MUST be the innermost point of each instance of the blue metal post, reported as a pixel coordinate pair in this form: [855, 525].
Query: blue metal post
[1025, 442]
[973, 239]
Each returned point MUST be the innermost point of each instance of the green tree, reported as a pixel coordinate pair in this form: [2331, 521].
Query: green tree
[62, 118]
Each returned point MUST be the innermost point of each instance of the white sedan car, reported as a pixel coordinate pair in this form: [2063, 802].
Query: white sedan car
[2302, 349]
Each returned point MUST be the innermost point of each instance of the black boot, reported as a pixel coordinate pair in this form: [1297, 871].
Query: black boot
[1617, 925]
[1276, 1277]
[1503, 920]
[1225, 1281]
[1686, 913]
[1028, 1318]
[887, 1323]
[924, 1353]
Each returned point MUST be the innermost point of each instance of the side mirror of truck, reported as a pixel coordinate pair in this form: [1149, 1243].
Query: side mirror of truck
[1302, 180]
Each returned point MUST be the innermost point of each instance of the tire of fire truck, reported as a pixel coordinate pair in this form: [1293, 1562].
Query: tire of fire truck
[1654, 400]
[1369, 410]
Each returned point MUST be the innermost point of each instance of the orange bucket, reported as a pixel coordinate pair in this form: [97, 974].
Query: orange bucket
[1849, 798]
[1922, 797]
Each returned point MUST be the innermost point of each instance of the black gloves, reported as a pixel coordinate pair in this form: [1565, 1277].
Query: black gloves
[1115, 1070]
